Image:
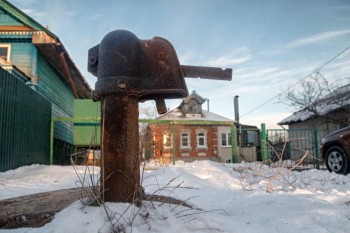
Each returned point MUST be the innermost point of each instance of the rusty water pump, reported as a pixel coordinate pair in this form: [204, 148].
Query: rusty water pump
[129, 71]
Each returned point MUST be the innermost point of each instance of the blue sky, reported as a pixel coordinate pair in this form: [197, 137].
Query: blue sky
[270, 45]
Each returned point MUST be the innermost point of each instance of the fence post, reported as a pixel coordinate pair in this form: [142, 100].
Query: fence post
[52, 139]
[263, 143]
[173, 143]
[316, 149]
[234, 143]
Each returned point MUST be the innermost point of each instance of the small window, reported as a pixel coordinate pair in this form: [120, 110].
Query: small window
[226, 139]
[5, 51]
[185, 143]
[251, 137]
[201, 139]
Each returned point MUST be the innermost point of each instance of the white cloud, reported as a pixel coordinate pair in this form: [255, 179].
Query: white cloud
[229, 60]
[270, 119]
[186, 58]
[317, 38]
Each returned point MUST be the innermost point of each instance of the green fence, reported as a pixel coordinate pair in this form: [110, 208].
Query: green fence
[24, 124]
[295, 146]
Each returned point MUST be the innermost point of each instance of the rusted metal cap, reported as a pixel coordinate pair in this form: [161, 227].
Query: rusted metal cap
[148, 69]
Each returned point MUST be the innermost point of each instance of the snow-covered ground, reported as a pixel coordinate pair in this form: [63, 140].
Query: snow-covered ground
[246, 197]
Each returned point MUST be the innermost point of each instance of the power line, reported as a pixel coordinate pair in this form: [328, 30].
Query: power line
[317, 70]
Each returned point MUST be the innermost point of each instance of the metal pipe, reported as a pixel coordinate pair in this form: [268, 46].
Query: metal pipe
[120, 143]
[206, 72]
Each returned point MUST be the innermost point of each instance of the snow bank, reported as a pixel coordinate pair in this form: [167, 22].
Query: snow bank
[224, 197]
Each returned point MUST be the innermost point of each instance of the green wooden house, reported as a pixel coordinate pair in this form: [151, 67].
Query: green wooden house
[36, 58]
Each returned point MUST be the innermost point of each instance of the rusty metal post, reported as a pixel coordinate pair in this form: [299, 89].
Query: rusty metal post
[130, 70]
[120, 143]
[115, 61]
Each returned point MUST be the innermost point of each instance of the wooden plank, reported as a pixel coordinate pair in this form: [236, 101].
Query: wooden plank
[39, 209]
[47, 202]
[15, 28]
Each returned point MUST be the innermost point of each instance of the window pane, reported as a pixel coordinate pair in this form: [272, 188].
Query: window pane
[3, 53]
[201, 139]
[229, 139]
[223, 139]
[251, 137]
[184, 140]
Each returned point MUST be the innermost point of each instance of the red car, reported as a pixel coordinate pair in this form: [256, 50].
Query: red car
[335, 151]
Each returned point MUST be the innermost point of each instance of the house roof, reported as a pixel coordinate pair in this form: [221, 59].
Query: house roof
[177, 114]
[195, 96]
[329, 103]
[49, 45]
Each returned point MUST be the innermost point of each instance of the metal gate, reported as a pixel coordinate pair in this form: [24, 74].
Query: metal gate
[24, 124]
[297, 147]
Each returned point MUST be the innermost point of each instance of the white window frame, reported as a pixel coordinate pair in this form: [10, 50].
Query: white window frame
[225, 136]
[204, 138]
[188, 137]
[8, 46]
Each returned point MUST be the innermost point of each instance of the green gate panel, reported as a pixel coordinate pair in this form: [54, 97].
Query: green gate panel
[24, 124]
[86, 133]
[86, 108]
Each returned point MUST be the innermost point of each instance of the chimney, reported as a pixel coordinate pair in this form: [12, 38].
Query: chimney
[236, 106]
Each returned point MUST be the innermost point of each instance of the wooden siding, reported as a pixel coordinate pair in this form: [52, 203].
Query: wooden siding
[57, 91]
[7, 20]
[22, 55]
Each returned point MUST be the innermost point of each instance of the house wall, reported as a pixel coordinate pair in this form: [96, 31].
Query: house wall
[22, 50]
[6, 20]
[23, 56]
[186, 154]
[302, 134]
[224, 153]
[22, 53]
[323, 123]
[57, 91]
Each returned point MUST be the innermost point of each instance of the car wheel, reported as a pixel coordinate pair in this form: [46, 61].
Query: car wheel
[337, 160]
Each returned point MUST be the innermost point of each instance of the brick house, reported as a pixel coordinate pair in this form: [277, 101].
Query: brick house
[191, 133]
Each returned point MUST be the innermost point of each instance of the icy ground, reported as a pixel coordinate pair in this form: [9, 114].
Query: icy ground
[246, 197]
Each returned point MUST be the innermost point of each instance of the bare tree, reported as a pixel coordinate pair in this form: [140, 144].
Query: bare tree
[146, 138]
[319, 99]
